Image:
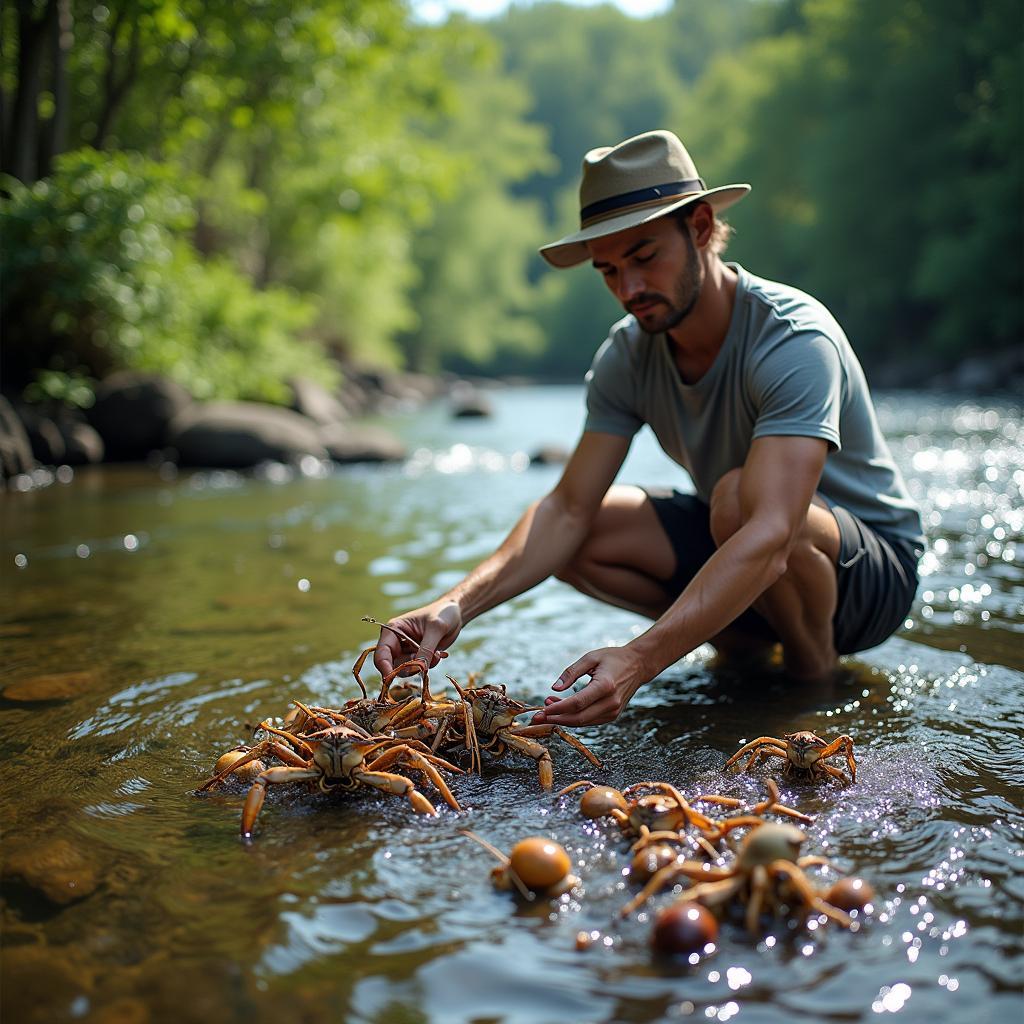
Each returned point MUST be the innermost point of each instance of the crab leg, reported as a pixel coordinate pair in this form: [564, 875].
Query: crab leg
[574, 786]
[752, 745]
[725, 801]
[261, 748]
[258, 791]
[357, 667]
[835, 773]
[772, 804]
[844, 744]
[417, 663]
[531, 748]
[418, 760]
[764, 753]
[562, 734]
[661, 879]
[759, 879]
[400, 786]
[807, 894]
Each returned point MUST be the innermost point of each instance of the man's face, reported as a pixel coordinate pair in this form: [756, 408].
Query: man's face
[653, 270]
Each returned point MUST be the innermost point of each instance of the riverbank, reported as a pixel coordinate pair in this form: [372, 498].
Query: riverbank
[141, 417]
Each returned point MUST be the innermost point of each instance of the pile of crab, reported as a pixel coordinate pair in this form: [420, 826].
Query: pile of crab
[383, 742]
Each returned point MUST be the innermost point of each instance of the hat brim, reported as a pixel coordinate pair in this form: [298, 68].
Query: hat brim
[572, 250]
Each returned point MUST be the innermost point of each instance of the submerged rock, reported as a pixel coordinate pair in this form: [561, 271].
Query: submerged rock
[60, 871]
[550, 455]
[52, 686]
[37, 978]
[467, 404]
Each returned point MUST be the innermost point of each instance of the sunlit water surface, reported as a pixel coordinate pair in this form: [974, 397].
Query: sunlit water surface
[191, 607]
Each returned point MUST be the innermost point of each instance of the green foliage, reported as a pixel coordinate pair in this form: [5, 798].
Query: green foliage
[99, 276]
[474, 298]
[305, 176]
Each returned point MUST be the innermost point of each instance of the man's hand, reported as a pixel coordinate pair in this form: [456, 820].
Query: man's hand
[616, 673]
[432, 628]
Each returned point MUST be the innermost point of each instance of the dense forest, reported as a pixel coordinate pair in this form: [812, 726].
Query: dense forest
[232, 194]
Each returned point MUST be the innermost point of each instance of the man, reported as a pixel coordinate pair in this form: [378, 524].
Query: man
[801, 530]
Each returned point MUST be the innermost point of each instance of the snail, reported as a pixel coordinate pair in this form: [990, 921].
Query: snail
[536, 866]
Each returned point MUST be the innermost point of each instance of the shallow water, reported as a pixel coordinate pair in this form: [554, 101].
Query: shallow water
[175, 611]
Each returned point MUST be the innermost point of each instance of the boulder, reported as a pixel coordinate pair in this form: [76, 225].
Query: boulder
[83, 445]
[239, 435]
[315, 401]
[469, 402]
[550, 455]
[15, 447]
[44, 435]
[347, 443]
[133, 411]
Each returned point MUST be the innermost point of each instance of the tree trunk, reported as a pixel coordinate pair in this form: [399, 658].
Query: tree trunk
[22, 145]
[116, 88]
[54, 140]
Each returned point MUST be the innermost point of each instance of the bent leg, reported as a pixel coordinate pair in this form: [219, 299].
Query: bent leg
[629, 560]
[626, 559]
[801, 605]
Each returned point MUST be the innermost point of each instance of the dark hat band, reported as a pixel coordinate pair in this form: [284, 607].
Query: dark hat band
[641, 197]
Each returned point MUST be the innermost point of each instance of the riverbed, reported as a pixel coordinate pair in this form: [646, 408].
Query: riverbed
[150, 619]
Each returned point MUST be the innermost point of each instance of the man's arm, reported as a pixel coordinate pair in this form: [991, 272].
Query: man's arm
[544, 539]
[777, 486]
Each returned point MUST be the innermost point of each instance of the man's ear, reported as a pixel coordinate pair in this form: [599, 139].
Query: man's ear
[702, 222]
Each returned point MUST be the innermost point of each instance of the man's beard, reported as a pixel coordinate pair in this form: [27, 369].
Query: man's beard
[681, 304]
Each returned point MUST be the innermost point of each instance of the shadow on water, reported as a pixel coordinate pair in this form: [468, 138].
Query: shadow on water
[152, 623]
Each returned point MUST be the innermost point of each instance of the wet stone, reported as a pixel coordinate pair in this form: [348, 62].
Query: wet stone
[13, 629]
[57, 869]
[37, 978]
[121, 1011]
[53, 686]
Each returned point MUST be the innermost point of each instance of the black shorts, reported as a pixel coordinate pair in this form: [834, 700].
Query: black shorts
[876, 572]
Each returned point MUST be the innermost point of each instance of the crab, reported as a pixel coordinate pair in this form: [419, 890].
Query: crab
[415, 713]
[339, 757]
[803, 752]
[768, 873]
[493, 718]
[662, 813]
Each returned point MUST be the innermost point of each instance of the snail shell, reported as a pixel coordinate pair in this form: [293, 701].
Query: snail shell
[850, 894]
[650, 860]
[540, 863]
[684, 927]
[247, 772]
[600, 801]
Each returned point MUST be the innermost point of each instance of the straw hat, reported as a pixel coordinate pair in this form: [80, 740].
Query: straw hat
[632, 183]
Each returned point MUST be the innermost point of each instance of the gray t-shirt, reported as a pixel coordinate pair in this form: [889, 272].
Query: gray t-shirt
[785, 368]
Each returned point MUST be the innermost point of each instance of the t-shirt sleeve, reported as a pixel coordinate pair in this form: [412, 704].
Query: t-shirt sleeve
[611, 389]
[798, 388]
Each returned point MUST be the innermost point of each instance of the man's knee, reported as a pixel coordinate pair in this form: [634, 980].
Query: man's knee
[575, 570]
[726, 515]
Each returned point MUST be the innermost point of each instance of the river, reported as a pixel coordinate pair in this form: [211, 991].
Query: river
[149, 618]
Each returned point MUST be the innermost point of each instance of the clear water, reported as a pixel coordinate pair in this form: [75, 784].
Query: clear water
[187, 608]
